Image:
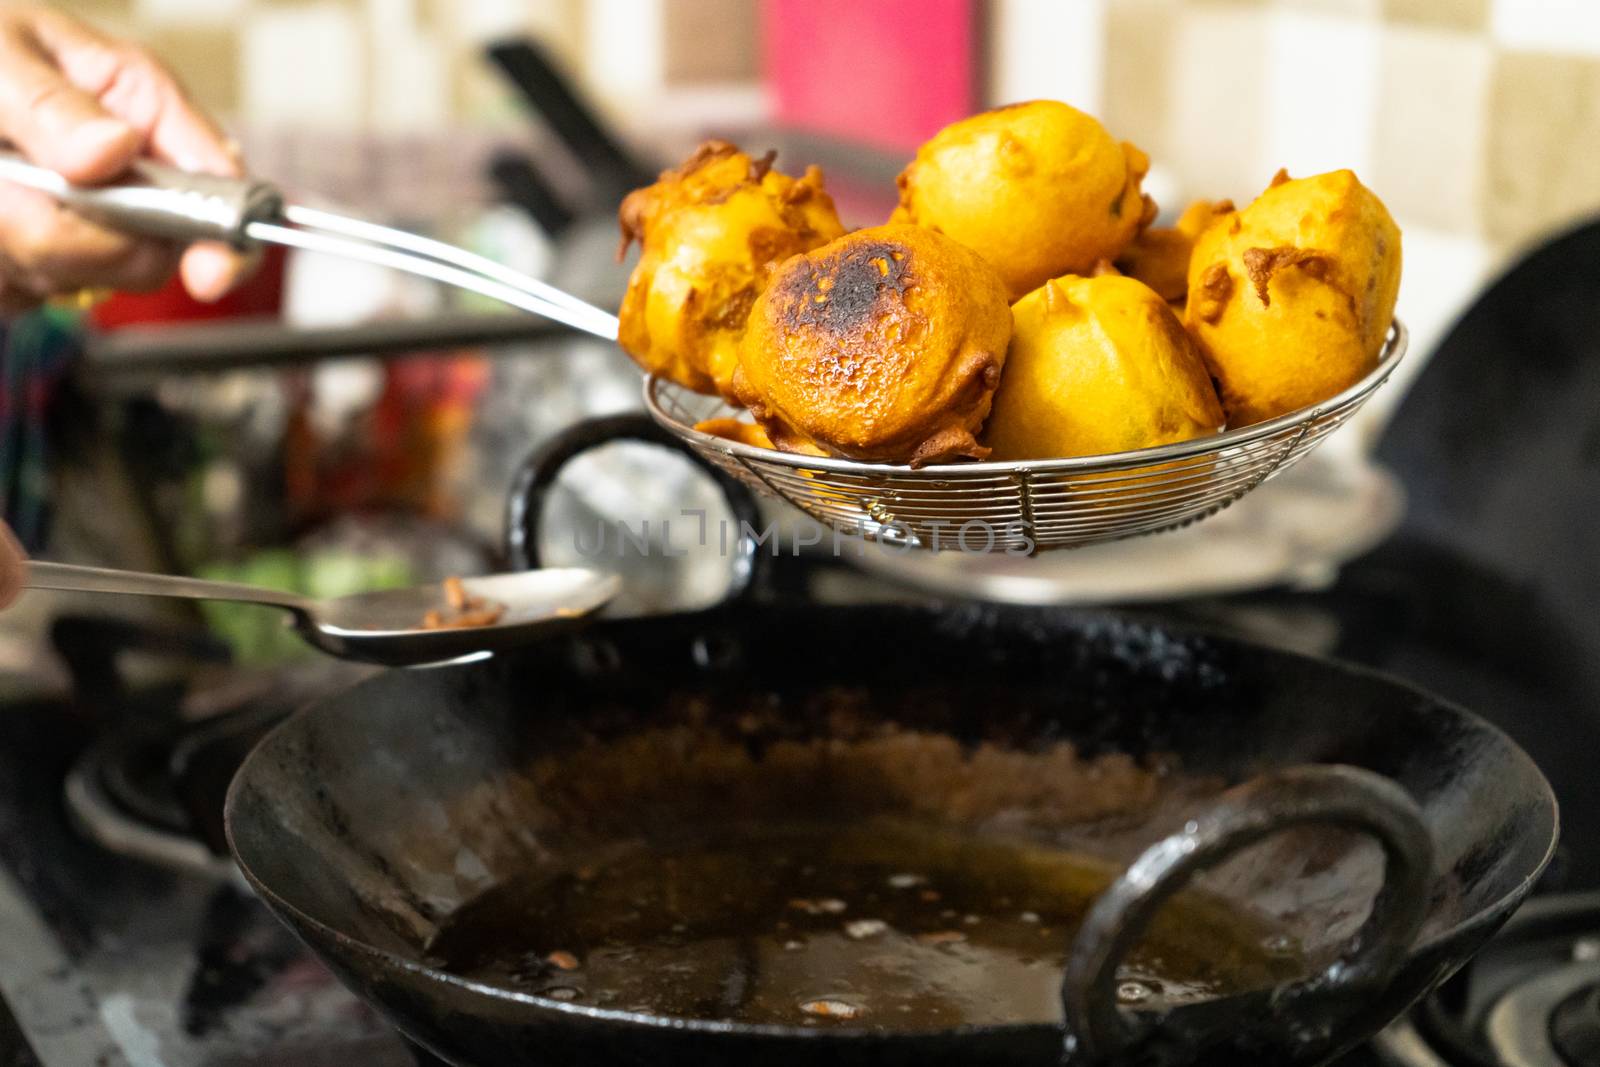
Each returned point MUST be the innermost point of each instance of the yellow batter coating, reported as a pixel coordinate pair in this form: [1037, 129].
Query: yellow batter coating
[1159, 256]
[1291, 298]
[1038, 189]
[1098, 365]
[711, 233]
[734, 429]
[885, 345]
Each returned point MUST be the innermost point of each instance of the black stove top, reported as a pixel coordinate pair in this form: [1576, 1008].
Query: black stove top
[110, 961]
[126, 937]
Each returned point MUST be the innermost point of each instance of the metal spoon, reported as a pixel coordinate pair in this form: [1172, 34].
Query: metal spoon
[383, 627]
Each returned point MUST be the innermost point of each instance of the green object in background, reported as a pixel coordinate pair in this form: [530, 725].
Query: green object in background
[259, 635]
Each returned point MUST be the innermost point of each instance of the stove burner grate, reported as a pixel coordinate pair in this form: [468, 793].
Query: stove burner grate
[1531, 998]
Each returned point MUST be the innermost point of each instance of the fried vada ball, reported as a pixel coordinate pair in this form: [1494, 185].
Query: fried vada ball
[1098, 365]
[1291, 298]
[1159, 256]
[1038, 189]
[711, 233]
[733, 429]
[885, 345]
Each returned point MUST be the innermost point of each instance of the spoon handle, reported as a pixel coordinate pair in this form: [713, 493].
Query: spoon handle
[77, 579]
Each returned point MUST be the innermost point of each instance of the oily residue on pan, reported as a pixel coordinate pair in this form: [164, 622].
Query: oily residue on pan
[882, 923]
[676, 773]
[841, 294]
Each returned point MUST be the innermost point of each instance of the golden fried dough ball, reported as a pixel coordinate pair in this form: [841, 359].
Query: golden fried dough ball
[734, 429]
[711, 233]
[885, 345]
[1200, 214]
[1098, 365]
[1038, 189]
[1291, 298]
[1159, 256]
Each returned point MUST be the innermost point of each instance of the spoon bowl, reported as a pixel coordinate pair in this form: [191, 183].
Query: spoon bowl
[386, 626]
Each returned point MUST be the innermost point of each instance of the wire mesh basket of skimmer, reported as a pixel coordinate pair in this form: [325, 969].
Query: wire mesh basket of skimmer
[1017, 505]
[1028, 505]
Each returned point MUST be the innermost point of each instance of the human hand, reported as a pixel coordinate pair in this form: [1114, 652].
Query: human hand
[13, 566]
[87, 106]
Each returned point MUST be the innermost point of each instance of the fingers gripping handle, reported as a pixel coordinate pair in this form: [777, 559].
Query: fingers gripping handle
[158, 201]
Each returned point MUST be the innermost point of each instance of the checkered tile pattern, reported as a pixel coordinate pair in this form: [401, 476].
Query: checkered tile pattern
[1478, 121]
[1476, 117]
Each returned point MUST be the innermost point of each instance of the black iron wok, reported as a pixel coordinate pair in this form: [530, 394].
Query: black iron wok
[370, 817]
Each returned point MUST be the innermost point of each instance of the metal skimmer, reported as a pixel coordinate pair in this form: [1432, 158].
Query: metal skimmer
[1023, 506]
[1015, 506]
[157, 200]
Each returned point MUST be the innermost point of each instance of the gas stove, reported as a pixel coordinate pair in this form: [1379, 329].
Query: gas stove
[1529, 999]
[130, 941]
[127, 938]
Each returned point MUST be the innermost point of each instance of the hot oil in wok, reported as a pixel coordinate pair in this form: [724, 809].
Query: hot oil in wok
[882, 924]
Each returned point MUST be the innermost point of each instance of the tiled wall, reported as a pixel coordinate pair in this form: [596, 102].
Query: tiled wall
[413, 64]
[389, 103]
[1476, 117]
[1478, 121]
[1471, 115]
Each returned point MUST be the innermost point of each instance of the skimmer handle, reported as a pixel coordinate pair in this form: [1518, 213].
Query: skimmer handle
[158, 201]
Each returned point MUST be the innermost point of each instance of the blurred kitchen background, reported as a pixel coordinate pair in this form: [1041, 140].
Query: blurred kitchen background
[1478, 121]
[336, 426]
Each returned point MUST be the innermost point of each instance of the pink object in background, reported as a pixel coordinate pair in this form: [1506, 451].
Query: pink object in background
[883, 72]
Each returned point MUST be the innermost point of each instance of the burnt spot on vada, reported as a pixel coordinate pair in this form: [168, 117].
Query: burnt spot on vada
[885, 345]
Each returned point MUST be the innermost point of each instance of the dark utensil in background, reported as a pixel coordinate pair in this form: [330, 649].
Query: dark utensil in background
[522, 184]
[612, 169]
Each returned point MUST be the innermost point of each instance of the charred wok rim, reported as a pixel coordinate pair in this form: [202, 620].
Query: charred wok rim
[1389, 357]
[1490, 915]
